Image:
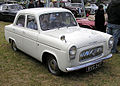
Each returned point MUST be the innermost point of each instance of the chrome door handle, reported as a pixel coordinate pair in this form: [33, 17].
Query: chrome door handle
[37, 44]
[23, 32]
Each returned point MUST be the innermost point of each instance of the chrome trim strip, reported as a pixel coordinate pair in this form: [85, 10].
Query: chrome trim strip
[88, 64]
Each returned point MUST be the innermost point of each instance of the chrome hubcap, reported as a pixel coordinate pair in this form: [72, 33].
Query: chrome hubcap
[53, 65]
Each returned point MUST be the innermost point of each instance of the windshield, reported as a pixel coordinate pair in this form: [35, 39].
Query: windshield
[68, 4]
[15, 7]
[56, 20]
[76, 5]
[60, 4]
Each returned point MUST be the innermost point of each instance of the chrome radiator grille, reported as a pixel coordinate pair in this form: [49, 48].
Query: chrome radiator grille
[90, 53]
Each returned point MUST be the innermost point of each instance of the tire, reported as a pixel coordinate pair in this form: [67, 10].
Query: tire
[53, 66]
[13, 45]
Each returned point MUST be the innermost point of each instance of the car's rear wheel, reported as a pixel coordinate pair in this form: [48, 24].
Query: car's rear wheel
[53, 66]
[13, 45]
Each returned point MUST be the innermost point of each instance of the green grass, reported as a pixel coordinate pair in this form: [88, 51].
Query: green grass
[19, 69]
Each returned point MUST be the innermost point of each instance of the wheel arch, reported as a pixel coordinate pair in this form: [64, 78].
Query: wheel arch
[47, 58]
[46, 54]
[11, 39]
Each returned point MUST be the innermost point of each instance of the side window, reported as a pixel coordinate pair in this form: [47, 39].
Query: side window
[31, 22]
[21, 21]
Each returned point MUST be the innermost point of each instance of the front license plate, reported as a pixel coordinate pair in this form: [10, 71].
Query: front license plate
[93, 67]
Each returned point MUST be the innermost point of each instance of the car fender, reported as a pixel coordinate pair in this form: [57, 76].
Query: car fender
[10, 38]
[50, 52]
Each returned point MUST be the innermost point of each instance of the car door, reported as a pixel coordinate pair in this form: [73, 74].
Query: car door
[18, 29]
[30, 36]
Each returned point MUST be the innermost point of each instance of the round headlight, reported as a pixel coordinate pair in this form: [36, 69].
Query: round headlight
[110, 42]
[72, 52]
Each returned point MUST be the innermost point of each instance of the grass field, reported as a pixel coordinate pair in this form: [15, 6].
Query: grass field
[19, 69]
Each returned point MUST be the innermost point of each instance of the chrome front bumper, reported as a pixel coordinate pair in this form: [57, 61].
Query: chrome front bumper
[88, 64]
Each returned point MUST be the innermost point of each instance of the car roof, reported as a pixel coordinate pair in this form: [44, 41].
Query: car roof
[76, 3]
[38, 11]
[60, 1]
[10, 4]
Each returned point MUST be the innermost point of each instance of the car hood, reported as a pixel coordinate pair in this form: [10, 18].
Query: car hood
[77, 36]
[95, 7]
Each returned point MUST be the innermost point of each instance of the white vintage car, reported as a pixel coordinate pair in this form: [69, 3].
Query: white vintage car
[53, 36]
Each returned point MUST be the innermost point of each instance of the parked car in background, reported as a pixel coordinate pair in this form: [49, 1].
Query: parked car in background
[89, 22]
[10, 2]
[79, 6]
[53, 36]
[92, 8]
[86, 23]
[1, 3]
[8, 11]
[67, 5]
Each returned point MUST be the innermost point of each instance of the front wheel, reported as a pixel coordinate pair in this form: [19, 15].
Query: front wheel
[53, 66]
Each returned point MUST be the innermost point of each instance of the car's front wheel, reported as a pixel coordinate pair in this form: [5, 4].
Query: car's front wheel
[53, 66]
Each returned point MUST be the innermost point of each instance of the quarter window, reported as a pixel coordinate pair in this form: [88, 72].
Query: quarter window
[21, 21]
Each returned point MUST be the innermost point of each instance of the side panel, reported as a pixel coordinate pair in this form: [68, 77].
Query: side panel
[15, 33]
[30, 42]
[46, 45]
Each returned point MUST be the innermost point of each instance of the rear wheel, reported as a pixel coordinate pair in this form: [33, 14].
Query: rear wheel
[53, 66]
[13, 45]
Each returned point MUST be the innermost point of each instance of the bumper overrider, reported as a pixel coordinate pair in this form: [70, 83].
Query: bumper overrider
[89, 63]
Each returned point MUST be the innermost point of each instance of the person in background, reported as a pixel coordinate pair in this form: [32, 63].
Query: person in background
[32, 24]
[40, 4]
[51, 4]
[100, 19]
[31, 4]
[113, 26]
[87, 13]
